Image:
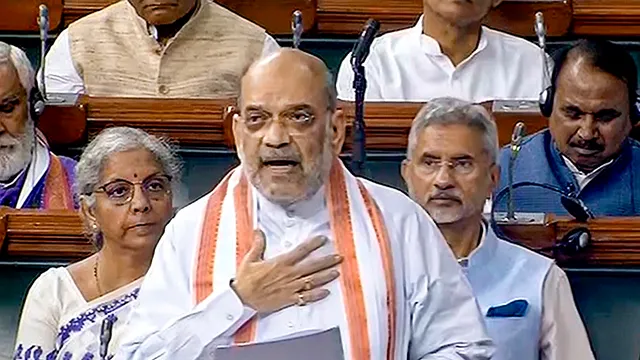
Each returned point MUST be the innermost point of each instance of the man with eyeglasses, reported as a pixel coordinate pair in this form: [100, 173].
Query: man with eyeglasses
[290, 241]
[525, 298]
[30, 175]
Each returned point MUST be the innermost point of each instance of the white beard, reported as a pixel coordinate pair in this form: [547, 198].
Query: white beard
[15, 152]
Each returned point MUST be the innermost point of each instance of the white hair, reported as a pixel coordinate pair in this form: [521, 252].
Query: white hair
[10, 54]
[452, 111]
[16, 153]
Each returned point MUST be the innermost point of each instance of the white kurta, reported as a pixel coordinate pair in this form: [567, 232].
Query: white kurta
[437, 317]
[408, 65]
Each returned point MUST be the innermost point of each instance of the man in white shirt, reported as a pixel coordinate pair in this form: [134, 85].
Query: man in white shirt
[156, 48]
[449, 53]
[399, 293]
[526, 299]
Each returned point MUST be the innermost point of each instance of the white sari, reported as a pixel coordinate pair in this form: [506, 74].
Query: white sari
[58, 323]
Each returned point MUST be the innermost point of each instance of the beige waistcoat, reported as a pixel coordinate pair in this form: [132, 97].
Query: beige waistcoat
[115, 55]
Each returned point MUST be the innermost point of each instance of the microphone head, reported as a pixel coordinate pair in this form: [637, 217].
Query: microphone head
[44, 10]
[519, 132]
[363, 45]
[540, 29]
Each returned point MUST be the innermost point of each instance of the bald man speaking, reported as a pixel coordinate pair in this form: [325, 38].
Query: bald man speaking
[290, 241]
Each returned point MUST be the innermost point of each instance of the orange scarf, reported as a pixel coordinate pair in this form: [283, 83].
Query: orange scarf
[341, 227]
[57, 193]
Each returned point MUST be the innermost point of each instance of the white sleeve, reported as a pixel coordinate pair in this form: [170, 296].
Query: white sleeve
[164, 323]
[446, 322]
[344, 82]
[270, 46]
[61, 75]
[563, 335]
[38, 327]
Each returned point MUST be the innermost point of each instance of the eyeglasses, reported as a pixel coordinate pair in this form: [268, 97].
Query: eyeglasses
[120, 192]
[459, 167]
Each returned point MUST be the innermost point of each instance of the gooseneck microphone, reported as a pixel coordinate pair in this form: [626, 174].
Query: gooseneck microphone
[518, 134]
[297, 28]
[363, 45]
[105, 337]
[43, 23]
[541, 30]
[358, 56]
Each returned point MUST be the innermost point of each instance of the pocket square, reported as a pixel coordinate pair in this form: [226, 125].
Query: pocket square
[516, 308]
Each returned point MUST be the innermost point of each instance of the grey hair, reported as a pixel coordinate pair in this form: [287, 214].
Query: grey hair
[452, 111]
[10, 54]
[118, 139]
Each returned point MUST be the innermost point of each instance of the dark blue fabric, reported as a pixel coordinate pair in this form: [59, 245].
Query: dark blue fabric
[613, 192]
[516, 308]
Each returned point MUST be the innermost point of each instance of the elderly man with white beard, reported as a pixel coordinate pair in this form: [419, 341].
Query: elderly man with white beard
[30, 175]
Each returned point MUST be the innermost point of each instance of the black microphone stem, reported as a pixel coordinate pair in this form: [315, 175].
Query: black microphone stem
[358, 152]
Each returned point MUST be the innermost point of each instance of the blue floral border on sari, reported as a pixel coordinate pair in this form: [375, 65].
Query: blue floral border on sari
[75, 325]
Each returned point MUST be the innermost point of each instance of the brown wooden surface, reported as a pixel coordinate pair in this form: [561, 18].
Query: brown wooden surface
[22, 15]
[615, 240]
[189, 122]
[75, 9]
[198, 122]
[274, 15]
[346, 17]
[516, 17]
[38, 235]
[610, 17]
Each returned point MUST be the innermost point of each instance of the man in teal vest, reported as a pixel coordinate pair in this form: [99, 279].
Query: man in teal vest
[451, 169]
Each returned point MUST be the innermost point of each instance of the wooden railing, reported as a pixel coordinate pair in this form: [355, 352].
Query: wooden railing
[346, 17]
[36, 235]
[207, 123]
[615, 240]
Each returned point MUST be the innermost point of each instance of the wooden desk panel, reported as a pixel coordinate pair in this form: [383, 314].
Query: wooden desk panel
[22, 15]
[75, 9]
[606, 17]
[207, 123]
[516, 17]
[40, 235]
[189, 122]
[616, 240]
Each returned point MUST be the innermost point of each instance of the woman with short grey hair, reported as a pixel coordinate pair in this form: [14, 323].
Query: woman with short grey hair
[124, 183]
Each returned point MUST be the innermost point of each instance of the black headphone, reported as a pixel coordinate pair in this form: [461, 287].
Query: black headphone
[36, 102]
[559, 58]
[572, 243]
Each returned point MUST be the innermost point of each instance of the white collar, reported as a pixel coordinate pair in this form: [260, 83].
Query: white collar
[464, 262]
[584, 178]
[305, 209]
[430, 46]
[37, 169]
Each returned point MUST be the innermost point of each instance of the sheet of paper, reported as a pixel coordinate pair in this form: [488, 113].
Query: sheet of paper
[318, 345]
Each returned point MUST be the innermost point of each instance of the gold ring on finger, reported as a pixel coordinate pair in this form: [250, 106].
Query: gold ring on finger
[307, 284]
[301, 301]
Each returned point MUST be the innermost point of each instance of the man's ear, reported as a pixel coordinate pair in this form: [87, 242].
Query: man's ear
[338, 130]
[235, 123]
[495, 177]
[404, 171]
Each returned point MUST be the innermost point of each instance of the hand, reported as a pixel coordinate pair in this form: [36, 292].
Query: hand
[271, 285]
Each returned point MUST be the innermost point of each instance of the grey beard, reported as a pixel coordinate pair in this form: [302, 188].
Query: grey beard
[15, 159]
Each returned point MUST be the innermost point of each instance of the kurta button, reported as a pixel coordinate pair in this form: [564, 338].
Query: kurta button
[229, 317]
[163, 89]
[158, 51]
